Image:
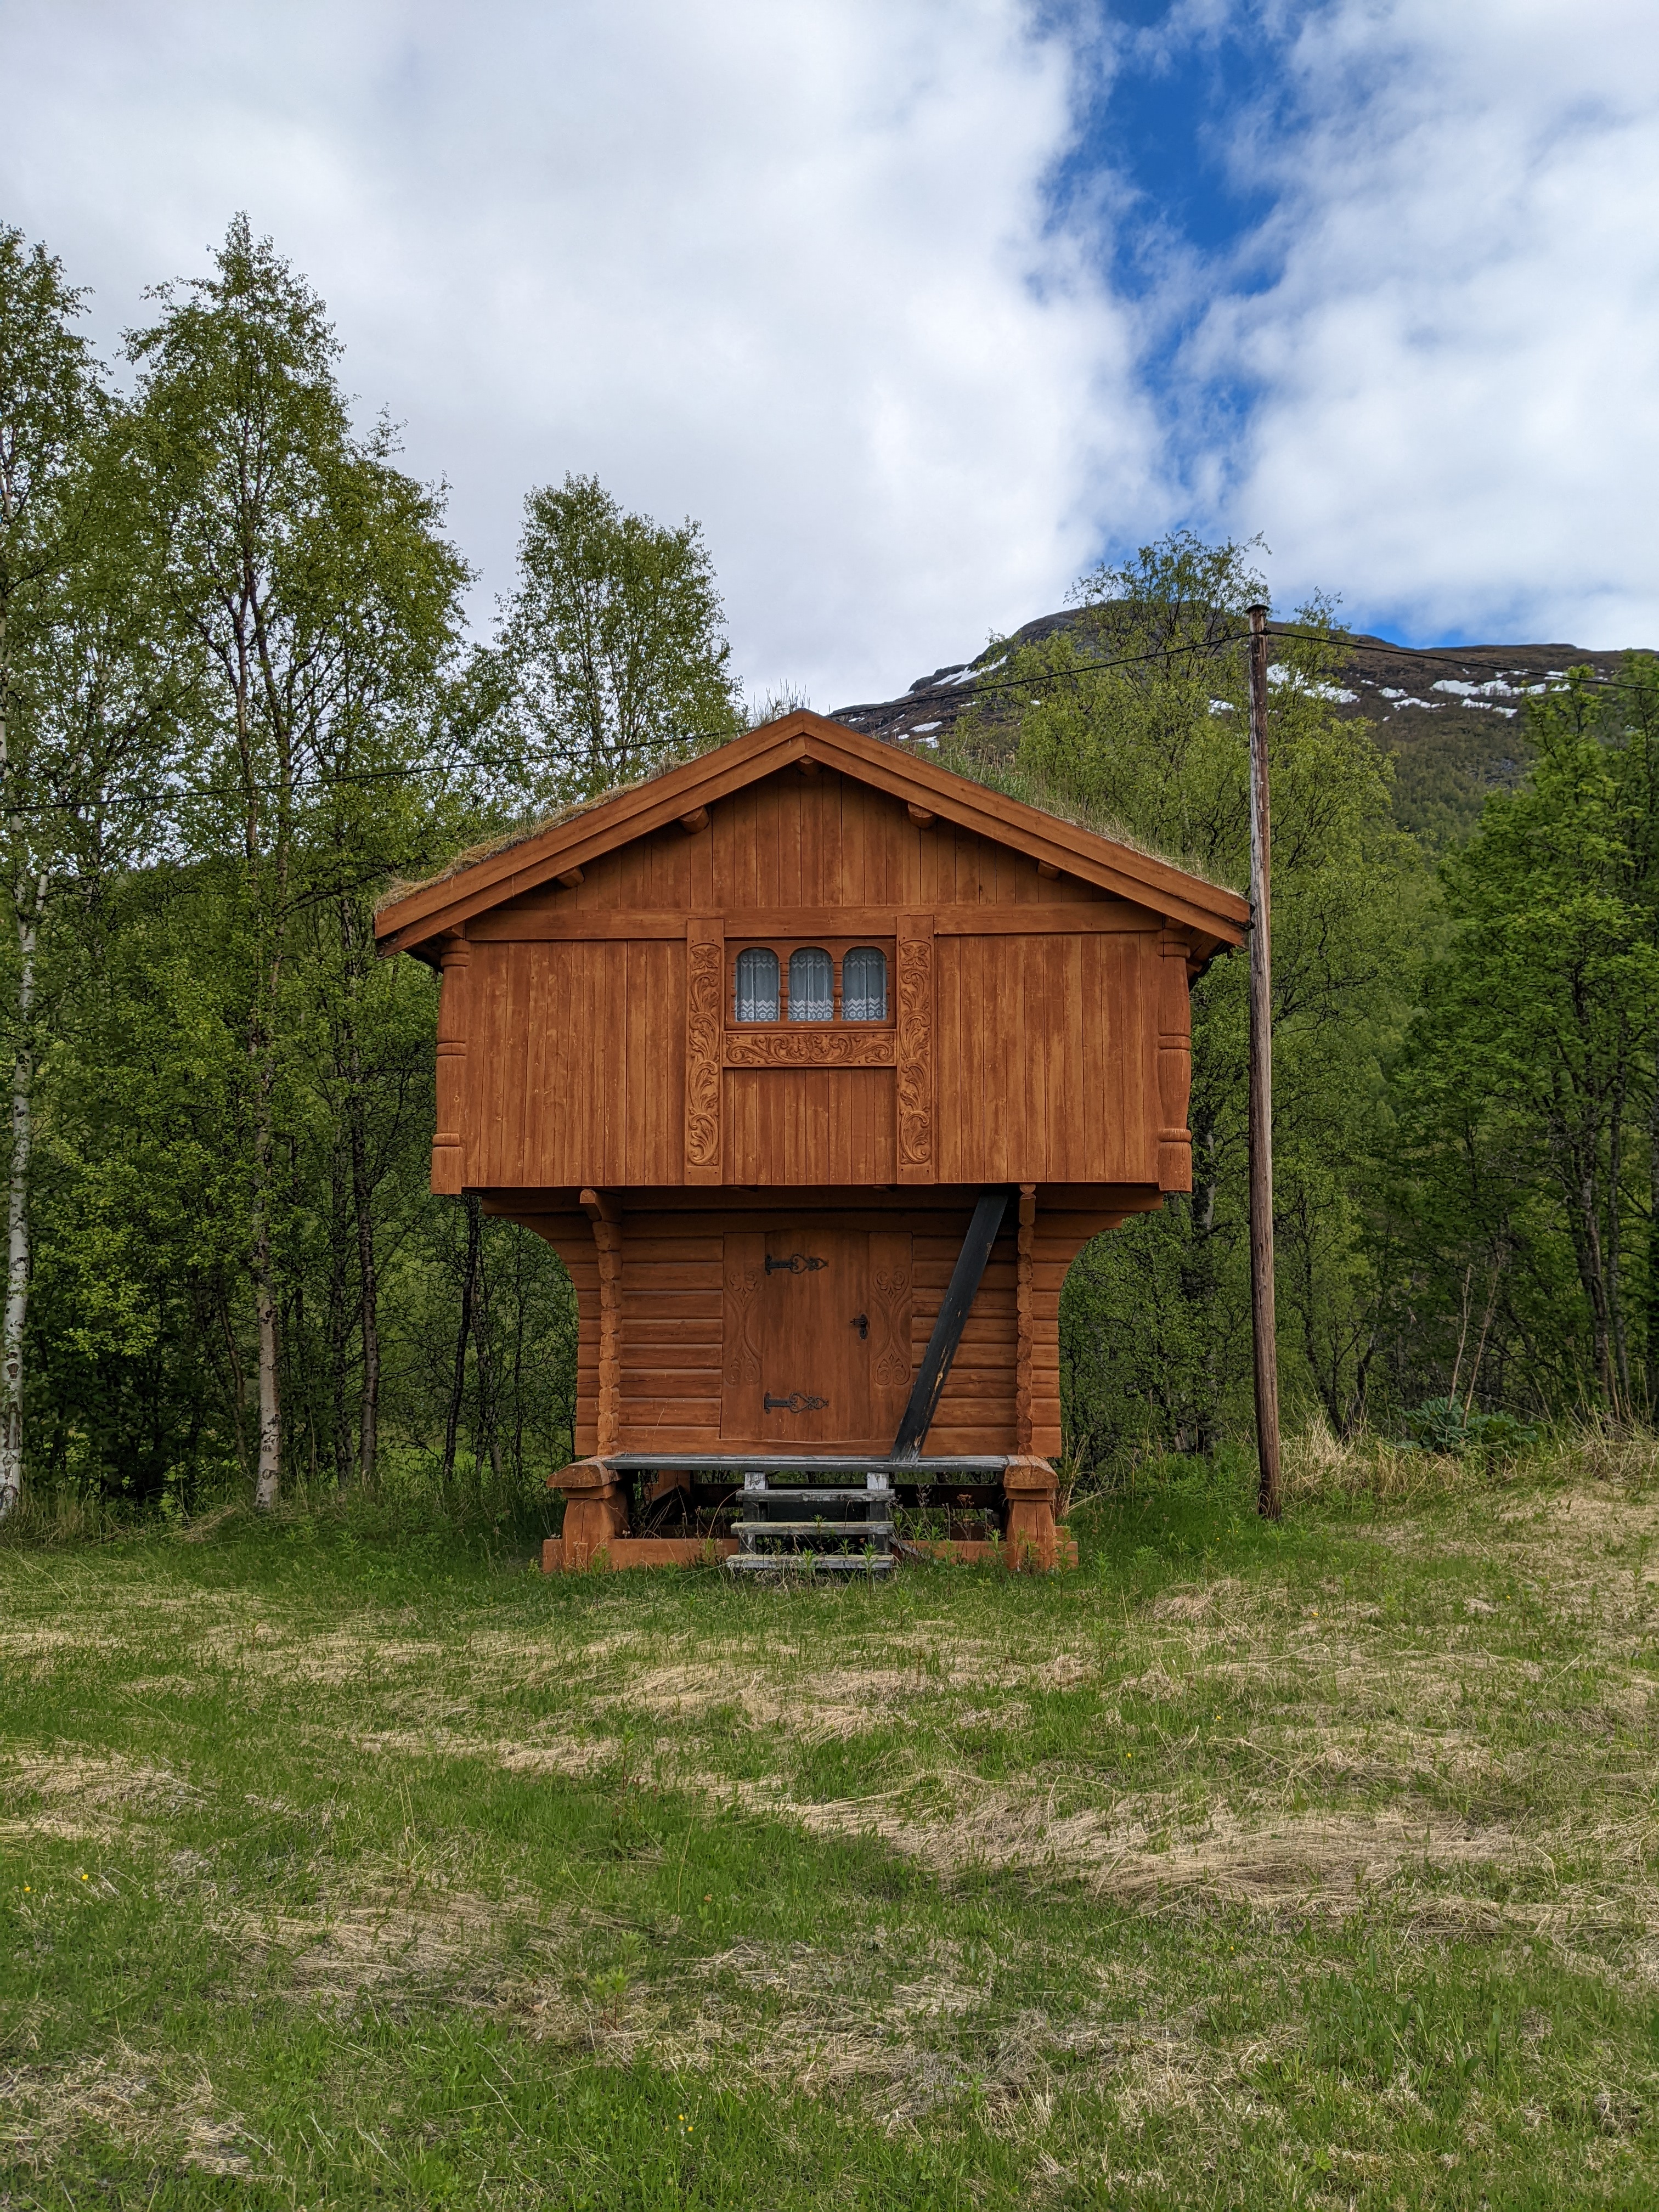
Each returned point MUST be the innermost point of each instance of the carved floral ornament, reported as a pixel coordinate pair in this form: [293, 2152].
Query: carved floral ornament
[807, 1048]
[703, 1066]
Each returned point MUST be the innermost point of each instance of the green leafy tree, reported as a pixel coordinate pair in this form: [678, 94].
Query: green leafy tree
[610, 647]
[87, 706]
[1134, 716]
[323, 603]
[1527, 1088]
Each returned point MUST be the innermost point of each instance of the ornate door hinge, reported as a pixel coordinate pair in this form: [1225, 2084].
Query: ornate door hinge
[798, 1401]
[798, 1263]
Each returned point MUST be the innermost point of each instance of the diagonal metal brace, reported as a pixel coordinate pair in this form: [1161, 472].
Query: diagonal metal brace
[947, 1329]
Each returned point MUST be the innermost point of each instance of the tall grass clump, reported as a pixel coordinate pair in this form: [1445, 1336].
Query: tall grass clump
[476, 1499]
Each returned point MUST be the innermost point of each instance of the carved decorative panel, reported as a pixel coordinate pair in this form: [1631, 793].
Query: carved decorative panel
[742, 1285]
[892, 1288]
[804, 1048]
[916, 1145]
[705, 974]
[448, 1142]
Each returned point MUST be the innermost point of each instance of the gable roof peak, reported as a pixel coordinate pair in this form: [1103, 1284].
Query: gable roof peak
[490, 875]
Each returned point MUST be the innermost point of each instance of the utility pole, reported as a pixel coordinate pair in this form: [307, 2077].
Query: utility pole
[1261, 1085]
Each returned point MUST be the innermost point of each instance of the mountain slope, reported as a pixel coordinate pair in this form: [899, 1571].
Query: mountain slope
[1451, 715]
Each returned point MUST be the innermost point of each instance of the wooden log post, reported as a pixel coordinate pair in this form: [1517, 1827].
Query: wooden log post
[1032, 1490]
[448, 1146]
[1025, 1319]
[605, 1215]
[1265, 1330]
[595, 1513]
[1174, 1063]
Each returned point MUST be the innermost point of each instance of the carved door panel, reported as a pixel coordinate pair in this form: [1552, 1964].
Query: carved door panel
[744, 1276]
[806, 1328]
[890, 1335]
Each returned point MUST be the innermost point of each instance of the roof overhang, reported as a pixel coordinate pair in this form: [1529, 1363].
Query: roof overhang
[409, 921]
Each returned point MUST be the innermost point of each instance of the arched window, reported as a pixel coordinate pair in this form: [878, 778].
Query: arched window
[811, 985]
[757, 984]
[864, 985]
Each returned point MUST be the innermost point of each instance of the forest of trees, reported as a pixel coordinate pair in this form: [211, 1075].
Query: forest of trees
[238, 699]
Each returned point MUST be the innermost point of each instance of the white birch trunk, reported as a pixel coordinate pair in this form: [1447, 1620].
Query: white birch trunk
[267, 1486]
[17, 1216]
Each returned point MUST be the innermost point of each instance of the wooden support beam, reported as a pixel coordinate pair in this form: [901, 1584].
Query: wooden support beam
[569, 878]
[920, 817]
[1024, 1312]
[947, 1329]
[1175, 1062]
[607, 1245]
[1030, 1487]
[1048, 870]
[448, 1141]
[695, 820]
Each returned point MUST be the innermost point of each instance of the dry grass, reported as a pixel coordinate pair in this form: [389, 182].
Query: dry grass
[126, 2097]
[1318, 1466]
[1106, 1882]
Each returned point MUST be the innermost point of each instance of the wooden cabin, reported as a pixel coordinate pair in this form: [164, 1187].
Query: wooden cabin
[804, 1056]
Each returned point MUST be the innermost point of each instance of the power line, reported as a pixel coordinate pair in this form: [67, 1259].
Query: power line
[965, 689]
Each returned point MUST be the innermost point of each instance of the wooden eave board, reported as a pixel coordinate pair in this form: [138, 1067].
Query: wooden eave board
[1219, 915]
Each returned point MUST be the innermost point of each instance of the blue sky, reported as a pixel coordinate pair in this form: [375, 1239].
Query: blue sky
[921, 307]
[1163, 120]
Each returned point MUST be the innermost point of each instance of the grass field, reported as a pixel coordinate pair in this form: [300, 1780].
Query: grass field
[1245, 1867]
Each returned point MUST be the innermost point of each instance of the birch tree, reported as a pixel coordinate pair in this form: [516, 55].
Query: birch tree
[48, 396]
[87, 686]
[612, 644]
[321, 598]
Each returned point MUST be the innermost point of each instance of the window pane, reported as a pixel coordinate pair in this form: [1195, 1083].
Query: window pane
[811, 985]
[864, 985]
[757, 984]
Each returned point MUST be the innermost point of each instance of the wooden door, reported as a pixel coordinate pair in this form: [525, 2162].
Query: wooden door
[817, 1330]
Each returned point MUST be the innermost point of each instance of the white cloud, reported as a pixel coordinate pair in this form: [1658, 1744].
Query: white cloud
[783, 268]
[789, 269]
[1457, 423]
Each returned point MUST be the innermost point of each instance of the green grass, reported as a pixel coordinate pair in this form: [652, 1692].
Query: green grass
[1245, 1867]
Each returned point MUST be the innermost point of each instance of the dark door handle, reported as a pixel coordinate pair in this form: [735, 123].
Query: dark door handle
[861, 1323]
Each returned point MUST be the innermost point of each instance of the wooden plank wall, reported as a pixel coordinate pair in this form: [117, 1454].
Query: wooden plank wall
[1047, 1058]
[821, 1125]
[792, 840]
[1045, 1051]
[670, 1395]
[576, 1064]
[672, 1323]
[976, 1410]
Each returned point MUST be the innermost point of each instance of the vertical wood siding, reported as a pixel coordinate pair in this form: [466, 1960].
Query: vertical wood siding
[1044, 1048]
